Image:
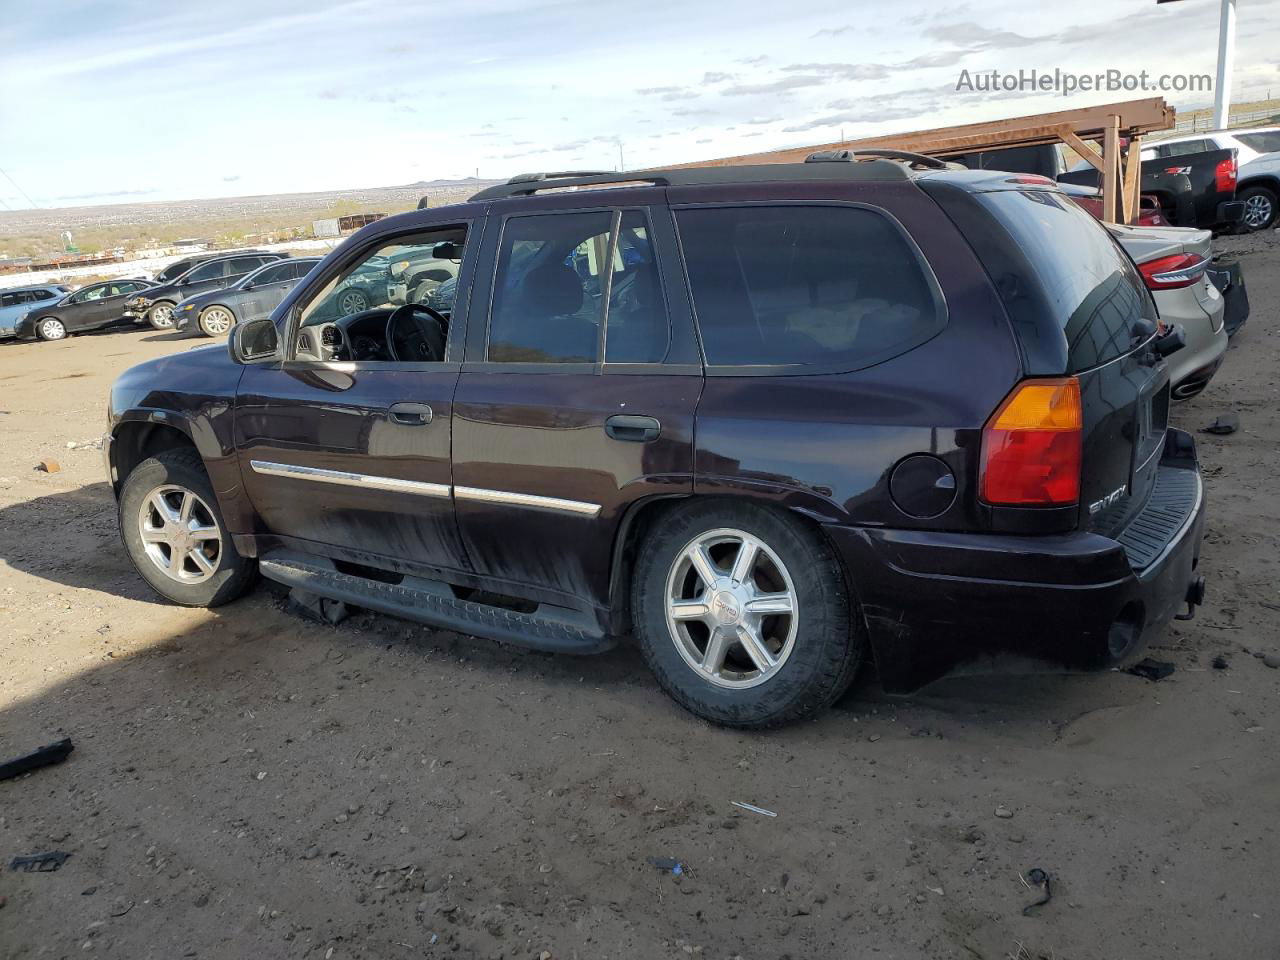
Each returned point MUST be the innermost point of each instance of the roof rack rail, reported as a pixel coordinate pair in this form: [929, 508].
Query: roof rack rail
[872, 168]
[853, 156]
[557, 175]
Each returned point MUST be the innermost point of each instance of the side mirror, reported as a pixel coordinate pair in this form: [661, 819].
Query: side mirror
[254, 342]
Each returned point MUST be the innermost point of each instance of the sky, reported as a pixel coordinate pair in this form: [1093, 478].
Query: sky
[135, 100]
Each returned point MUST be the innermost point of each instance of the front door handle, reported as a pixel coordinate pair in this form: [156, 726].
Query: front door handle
[409, 414]
[634, 429]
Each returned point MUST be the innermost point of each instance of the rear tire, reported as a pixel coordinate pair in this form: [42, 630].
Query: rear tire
[719, 649]
[168, 514]
[160, 315]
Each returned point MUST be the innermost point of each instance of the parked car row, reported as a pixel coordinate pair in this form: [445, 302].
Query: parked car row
[772, 423]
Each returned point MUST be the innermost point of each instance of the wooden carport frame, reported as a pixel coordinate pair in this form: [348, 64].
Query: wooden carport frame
[1107, 124]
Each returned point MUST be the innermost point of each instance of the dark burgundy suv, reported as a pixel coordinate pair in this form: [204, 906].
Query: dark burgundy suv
[769, 421]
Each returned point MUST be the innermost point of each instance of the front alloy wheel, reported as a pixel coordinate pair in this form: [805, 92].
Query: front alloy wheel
[51, 329]
[216, 321]
[351, 302]
[179, 534]
[732, 608]
[161, 316]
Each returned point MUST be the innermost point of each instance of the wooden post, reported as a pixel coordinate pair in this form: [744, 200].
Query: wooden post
[1133, 181]
[1110, 169]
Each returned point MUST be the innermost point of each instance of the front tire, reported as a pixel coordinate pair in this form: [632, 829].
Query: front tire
[743, 616]
[51, 328]
[160, 315]
[352, 301]
[1260, 208]
[216, 321]
[174, 533]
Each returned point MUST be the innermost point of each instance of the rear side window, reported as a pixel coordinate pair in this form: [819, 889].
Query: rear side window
[1186, 147]
[839, 287]
[1090, 286]
[210, 271]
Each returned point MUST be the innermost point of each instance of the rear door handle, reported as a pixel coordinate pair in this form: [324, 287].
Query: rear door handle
[634, 429]
[409, 414]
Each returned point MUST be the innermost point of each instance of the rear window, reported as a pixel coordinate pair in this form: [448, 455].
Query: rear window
[829, 286]
[1267, 142]
[1090, 287]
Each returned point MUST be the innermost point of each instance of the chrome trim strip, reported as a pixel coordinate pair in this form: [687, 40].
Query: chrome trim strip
[527, 500]
[350, 479]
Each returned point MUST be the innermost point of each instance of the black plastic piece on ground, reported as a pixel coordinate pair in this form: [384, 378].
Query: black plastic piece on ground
[44, 757]
[40, 862]
[1152, 670]
[1223, 425]
[1041, 879]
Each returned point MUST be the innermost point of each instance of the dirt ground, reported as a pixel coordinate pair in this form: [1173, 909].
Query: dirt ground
[248, 785]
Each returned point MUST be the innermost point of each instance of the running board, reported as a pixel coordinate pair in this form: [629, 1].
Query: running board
[433, 602]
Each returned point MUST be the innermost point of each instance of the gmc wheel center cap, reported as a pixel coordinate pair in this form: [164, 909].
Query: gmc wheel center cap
[726, 607]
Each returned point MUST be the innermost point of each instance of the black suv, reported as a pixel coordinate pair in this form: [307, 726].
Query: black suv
[769, 421]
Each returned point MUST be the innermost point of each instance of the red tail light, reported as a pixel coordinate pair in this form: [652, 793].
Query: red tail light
[1224, 175]
[1172, 272]
[1031, 446]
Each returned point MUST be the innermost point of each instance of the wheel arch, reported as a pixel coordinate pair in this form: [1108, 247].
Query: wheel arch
[1269, 180]
[138, 439]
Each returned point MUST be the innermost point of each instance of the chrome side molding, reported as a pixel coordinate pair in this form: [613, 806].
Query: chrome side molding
[420, 488]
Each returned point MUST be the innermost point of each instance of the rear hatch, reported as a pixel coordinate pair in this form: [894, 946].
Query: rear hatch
[1079, 307]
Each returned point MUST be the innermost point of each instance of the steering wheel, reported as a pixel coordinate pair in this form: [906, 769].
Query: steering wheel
[426, 343]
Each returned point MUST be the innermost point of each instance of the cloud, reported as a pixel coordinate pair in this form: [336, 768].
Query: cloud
[231, 179]
[705, 140]
[875, 114]
[785, 85]
[833, 31]
[714, 77]
[753, 61]
[973, 36]
[757, 121]
[841, 71]
[102, 196]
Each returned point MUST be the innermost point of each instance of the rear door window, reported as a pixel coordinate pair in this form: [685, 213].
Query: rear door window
[835, 287]
[209, 271]
[547, 300]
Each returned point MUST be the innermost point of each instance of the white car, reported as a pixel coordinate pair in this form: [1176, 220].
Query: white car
[1258, 155]
[1173, 262]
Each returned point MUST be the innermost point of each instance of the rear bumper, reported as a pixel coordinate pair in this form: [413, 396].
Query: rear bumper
[933, 601]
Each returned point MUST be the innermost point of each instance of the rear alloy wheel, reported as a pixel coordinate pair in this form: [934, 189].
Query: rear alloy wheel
[216, 321]
[352, 301]
[743, 615]
[160, 315]
[51, 328]
[1260, 207]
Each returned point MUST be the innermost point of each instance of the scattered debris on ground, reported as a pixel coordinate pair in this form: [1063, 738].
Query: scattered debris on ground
[1037, 879]
[1225, 424]
[753, 808]
[1153, 670]
[48, 466]
[40, 862]
[668, 865]
[45, 756]
[309, 606]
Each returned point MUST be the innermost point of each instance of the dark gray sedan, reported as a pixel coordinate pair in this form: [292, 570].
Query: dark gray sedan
[215, 312]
